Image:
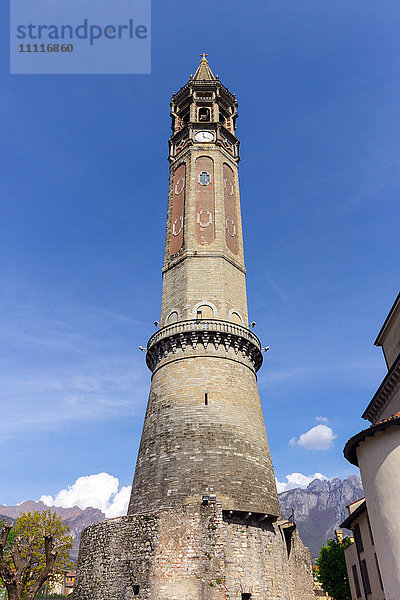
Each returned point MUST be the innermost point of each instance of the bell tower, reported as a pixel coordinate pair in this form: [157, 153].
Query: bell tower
[204, 520]
[204, 227]
[204, 431]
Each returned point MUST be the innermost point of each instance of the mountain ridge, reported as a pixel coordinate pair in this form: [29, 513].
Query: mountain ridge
[77, 518]
[318, 510]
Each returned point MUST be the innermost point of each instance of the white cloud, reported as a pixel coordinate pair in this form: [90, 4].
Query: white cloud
[296, 480]
[321, 419]
[319, 437]
[119, 505]
[98, 491]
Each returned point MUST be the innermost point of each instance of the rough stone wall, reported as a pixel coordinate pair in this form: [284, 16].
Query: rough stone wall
[114, 556]
[194, 553]
[189, 448]
[259, 560]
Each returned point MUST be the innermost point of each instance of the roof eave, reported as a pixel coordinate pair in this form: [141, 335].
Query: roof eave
[381, 334]
[347, 523]
[350, 449]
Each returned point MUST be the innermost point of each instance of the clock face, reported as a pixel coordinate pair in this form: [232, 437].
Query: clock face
[203, 136]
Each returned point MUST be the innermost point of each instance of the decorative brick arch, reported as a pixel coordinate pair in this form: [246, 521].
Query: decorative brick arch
[171, 316]
[178, 209]
[231, 220]
[205, 303]
[204, 223]
[234, 312]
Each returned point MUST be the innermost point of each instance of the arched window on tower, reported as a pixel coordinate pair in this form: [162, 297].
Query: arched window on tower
[172, 317]
[223, 116]
[236, 318]
[204, 114]
[204, 312]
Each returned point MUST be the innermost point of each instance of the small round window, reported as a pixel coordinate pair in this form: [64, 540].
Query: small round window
[204, 178]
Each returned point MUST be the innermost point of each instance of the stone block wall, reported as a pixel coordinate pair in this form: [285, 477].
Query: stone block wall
[115, 556]
[189, 448]
[193, 553]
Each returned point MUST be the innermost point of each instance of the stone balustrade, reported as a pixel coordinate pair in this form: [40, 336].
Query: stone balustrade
[204, 332]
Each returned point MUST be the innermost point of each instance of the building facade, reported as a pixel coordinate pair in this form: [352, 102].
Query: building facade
[376, 451]
[61, 584]
[204, 519]
[361, 559]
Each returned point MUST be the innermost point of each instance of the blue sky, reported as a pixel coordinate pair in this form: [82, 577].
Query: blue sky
[83, 185]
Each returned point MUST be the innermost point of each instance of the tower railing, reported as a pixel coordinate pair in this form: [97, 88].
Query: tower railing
[218, 325]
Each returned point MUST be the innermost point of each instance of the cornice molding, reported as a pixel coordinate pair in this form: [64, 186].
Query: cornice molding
[199, 254]
[388, 388]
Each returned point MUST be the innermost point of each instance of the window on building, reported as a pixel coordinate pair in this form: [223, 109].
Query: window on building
[235, 317]
[379, 571]
[206, 399]
[371, 537]
[204, 114]
[246, 596]
[365, 577]
[173, 317]
[223, 115]
[358, 538]
[356, 581]
[136, 589]
[204, 178]
[204, 312]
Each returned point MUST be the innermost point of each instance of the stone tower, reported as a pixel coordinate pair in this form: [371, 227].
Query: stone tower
[204, 431]
[204, 520]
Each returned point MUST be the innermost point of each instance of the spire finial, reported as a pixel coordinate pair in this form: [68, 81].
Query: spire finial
[204, 72]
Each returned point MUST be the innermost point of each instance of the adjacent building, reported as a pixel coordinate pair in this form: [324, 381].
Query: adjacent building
[361, 558]
[61, 584]
[374, 560]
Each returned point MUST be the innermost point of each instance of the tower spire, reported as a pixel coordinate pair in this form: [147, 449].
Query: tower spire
[203, 70]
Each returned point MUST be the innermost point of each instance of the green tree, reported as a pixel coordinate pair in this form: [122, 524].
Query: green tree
[332, 572]
[9, 543]
[32, 550]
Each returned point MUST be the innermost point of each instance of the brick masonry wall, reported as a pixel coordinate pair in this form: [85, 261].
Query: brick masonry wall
[205, 272]
[192, 553]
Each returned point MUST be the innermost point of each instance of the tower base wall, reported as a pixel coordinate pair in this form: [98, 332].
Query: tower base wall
[194, 553]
